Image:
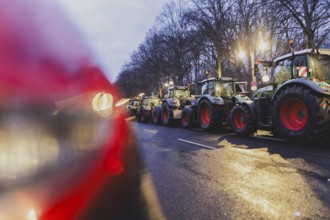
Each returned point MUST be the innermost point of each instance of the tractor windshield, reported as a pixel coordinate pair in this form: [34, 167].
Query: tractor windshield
[320, 65]
[181, 94]
[224, 88]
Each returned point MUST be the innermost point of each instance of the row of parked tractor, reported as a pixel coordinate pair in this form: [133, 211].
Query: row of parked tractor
[294, 104]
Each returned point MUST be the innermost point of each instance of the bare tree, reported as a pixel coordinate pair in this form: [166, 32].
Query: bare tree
[174, 30]
[247, 31]
[212, 17]
[312, 16]
[193, 37]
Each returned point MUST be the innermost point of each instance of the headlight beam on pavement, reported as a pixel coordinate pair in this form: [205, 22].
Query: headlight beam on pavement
[201, 145]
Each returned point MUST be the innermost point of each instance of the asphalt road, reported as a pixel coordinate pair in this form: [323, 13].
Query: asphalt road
[203, 175]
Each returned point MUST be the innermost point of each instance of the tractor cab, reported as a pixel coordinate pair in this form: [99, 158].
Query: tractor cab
[307, 66]
[218, 87]
[151, 101]
[178, 92]
[320, 66]
[132, 105]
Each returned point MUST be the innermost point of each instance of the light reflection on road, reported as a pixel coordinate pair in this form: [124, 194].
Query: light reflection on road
[264, 183]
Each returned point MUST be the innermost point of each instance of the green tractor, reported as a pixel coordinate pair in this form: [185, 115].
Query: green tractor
[296, 104]
[132, 106]
[143, 113]
[217, 98]
[177, 97]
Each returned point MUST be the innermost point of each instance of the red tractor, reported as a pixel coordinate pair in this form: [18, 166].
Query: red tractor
[297, 103]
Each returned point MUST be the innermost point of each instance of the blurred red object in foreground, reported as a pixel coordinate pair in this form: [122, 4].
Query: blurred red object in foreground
[65, 151]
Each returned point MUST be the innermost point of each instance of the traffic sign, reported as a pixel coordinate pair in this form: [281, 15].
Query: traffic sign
[253, 83]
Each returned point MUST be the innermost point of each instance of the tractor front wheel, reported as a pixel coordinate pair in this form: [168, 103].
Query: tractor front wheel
[298, 113]
[167, 114]
[186, 118]
[156, 115]
[144, 116]
[209, 115]
[241, 120]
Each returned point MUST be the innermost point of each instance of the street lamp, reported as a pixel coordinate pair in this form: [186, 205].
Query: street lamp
[263, 45]
[241, 54]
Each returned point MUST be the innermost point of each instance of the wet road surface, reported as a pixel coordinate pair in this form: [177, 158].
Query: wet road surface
[203, 175]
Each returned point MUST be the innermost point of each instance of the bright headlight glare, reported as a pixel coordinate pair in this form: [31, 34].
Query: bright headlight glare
[39, 139]
[102, 104]
[265, 78]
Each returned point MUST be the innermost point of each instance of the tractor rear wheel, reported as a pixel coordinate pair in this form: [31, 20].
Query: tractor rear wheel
[144, 115]
[209, 115]
[299, 113]
[186, 118]
[156, 115]
[241, 120]
[167, 114]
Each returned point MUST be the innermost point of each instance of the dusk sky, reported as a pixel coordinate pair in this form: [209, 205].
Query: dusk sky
[113, 28]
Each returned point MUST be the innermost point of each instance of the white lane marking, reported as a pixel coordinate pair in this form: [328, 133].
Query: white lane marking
[269, 138]
[151, 131]
[197, 129]
[201, 145]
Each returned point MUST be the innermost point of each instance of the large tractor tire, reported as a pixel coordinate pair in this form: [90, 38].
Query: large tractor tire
[300, 114]
[138, 115]
[242, 121]
[167, 115]
[186, 118]
[209, 115]
[145, 116]
[156, 115]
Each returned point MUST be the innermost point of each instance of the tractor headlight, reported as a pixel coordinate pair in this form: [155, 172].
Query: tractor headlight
[265, 78]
